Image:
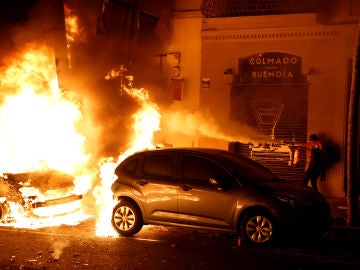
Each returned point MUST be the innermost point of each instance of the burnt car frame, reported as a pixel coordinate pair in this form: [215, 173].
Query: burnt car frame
[213, 189]
[25, 189]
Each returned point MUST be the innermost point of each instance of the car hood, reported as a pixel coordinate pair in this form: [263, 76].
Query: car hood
[291, 189]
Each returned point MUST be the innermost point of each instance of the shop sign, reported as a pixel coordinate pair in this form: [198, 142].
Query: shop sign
[271, 67]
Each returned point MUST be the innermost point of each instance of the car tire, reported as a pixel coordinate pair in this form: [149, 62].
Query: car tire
[258, 228]
[126, 218]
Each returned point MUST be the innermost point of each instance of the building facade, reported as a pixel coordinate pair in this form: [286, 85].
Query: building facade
[269, 81]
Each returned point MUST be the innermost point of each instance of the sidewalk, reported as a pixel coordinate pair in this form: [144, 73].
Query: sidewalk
[338, 208]
[339, 227]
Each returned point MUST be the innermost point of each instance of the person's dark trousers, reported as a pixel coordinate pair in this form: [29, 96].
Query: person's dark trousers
[312, 173]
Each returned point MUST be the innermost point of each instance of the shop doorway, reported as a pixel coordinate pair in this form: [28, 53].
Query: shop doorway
[270, 94]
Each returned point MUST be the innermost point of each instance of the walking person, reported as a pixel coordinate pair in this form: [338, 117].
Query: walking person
[315, 167]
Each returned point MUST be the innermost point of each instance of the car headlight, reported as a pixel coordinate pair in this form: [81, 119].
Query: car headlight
[293, 200]
[285, 198]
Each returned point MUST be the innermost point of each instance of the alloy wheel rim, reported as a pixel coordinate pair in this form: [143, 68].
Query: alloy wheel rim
[124, 218]
[259, 229]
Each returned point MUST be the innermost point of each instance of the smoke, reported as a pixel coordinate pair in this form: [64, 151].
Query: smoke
[200, 124]
[107, 113]
[58, 246]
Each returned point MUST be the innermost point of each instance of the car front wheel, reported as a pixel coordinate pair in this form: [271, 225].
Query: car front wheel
[258, 228]
[126, 218]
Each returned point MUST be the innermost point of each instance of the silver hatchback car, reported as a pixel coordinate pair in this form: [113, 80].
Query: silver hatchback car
[213, 189]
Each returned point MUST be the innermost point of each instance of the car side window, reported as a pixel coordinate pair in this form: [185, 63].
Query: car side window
[197, 168]
[158, 165]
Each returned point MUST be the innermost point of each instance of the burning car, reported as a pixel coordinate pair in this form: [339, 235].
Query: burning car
[22, 193]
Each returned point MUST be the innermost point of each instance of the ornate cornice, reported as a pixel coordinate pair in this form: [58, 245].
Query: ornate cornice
[279, 34]
[258, 22]
[293, 26]
[230, 8]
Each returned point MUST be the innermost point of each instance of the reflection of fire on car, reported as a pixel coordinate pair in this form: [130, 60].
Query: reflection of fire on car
[214, 189]
[31, 190]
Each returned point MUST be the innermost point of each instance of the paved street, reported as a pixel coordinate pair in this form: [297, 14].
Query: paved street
[158, 247]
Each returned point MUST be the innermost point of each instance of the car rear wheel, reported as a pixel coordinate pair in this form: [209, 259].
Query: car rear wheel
[126, 218]
[258, 228]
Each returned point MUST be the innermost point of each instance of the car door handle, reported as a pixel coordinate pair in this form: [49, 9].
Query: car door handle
[142, 182]
[186, 187]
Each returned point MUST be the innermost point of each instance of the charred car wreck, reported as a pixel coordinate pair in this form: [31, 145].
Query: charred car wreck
[28, 191]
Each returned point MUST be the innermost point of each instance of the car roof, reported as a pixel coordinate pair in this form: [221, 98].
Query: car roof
[198, 150]
[218, 155]
[205, 152]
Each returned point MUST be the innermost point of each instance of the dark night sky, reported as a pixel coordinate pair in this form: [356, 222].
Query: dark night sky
[15, 10]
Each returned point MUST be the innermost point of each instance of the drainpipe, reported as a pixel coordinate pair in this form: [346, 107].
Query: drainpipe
[352, 165]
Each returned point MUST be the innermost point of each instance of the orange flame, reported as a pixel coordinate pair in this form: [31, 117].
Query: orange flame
[38, 120]
[146, 123]
[73, 30]
[38, 123]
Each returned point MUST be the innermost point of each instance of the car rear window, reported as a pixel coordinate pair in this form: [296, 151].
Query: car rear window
[128, 167]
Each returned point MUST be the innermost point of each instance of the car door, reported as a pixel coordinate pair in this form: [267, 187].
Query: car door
[207, 195]
[158, 188]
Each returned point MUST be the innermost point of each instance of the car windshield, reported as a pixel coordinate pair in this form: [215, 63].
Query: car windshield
[247, 169]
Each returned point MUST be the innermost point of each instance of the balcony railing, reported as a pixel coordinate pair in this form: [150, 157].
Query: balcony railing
[235, 8]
